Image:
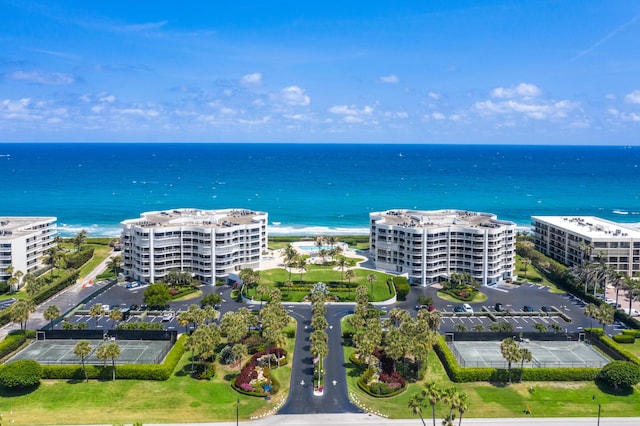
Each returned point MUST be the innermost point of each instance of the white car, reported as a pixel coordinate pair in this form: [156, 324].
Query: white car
[633, 313]
[467, 307]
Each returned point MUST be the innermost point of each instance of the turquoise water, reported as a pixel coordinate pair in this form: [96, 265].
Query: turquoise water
[314, 188]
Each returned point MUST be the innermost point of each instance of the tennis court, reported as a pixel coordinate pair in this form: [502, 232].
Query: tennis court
[545, 354]
[60, 351]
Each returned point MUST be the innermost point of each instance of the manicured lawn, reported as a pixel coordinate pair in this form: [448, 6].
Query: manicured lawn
[327, 275]
[180, 399]
[634, 348]
[479, 297]
[545, 399]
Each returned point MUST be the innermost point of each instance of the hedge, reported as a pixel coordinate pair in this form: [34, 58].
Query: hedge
[14, 340]
[76, 260]
[21, 374]
[624, 338]
[402, 287]
[630, 332]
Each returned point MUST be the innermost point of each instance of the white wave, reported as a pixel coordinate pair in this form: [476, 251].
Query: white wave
[315, 230]
[70, 230]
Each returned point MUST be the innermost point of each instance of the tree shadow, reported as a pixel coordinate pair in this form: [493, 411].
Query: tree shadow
[604, 388]
[15, 392]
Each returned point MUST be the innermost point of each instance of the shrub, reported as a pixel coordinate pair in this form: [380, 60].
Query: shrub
[226, 355]
[631, 332]
[21, 374]
[620, 374]
[624, 338]
[13, 341]
[402, 287]
[76, 260]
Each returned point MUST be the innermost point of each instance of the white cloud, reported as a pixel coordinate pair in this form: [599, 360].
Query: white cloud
[610, 96]
[54, 79]
[525, 90]
[389, 79]
[254, 79]
[108, 99]
[633, 97]
[537, 111]
[633, 117]
[434, 95]
[295, 96]
[438, 116]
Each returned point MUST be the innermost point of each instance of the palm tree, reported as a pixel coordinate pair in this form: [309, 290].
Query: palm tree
[18, 274]
[80, 238]
[249, 277]
[525, 356]
[113, 351]
[525, 262]
[319, 348]
[239, 351]
[605, 316]
[19, 312]
[450, 396]
[349, 274]
[261, 291]
[434, 394]
[301, 264]
[591, 311]
[115, 314]
[96, 310]
[463, 405]
[631, 285]
[415, 403]
[290, 255]
[460, 328]
[114, 264]
[510, 352]
[50, 313]
[371, 278]
[83, 350]
[288, 284]
[101, 354]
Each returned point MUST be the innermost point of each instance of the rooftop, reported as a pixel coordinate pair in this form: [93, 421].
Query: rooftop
[439, 218]
[15, 226]
[591, 226]
[196, 217]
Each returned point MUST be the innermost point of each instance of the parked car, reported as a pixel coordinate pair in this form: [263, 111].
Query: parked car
[106, 308]
[545, 309]
[168, 316]
[418, 307]
[133, 307]
[458, 309]
[499, 307]
[527, 308]
[467, 307]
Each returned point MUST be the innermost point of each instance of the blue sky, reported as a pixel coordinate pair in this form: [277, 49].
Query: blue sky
[505, 72]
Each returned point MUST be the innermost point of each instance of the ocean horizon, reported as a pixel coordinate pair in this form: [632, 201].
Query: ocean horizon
[310, 189]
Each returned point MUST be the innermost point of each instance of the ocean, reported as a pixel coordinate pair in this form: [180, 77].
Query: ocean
[313, 188]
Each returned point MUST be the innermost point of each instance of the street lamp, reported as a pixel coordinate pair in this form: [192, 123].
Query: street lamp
[238, 405]
[593, 398]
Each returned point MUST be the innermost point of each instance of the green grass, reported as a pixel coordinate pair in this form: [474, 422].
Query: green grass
[545, 399]
[325, 274]
[534, 276]
[477, 298]
[181, 399]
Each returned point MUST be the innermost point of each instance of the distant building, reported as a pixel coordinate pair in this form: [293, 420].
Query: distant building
[430, 246]
[572, 240]
[209, 244]
[23, 243]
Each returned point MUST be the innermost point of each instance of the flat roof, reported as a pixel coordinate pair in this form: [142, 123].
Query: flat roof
[591, 226]
[16, 226]
[439, 218]
[196, 217]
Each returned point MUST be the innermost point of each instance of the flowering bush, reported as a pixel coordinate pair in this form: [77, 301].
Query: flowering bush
[253, 376]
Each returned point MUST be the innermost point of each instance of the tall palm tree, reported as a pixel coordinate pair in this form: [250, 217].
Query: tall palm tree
[101, 354]
[83, 350]
[450, 396]
[591, 310]
[342, 264]
[525, 262]
[80, 238]
[50, 313]
[113, 351]
[510, 352]
[319, 348]
[605, 315]
[115, 315]
[302, 266]
[525, 356]
[433, 394]
[371, 278]
[114, 264]
[18, 274]
[290, 255]
[19, 312]
[415, 403]
[631, 285]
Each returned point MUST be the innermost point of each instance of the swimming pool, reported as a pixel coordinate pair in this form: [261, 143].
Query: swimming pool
[315, 248]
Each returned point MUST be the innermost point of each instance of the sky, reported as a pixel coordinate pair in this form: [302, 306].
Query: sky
[467, 72]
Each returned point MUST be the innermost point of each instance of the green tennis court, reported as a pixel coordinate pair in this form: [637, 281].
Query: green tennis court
[60, 351]
[546, 354]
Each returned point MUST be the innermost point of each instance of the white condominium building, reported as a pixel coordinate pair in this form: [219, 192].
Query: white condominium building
[23, 243]
[209, 244]
[430, 246]
[572, 240]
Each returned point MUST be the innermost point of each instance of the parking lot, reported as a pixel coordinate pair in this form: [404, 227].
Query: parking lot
[124, 297]
[513, 298]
